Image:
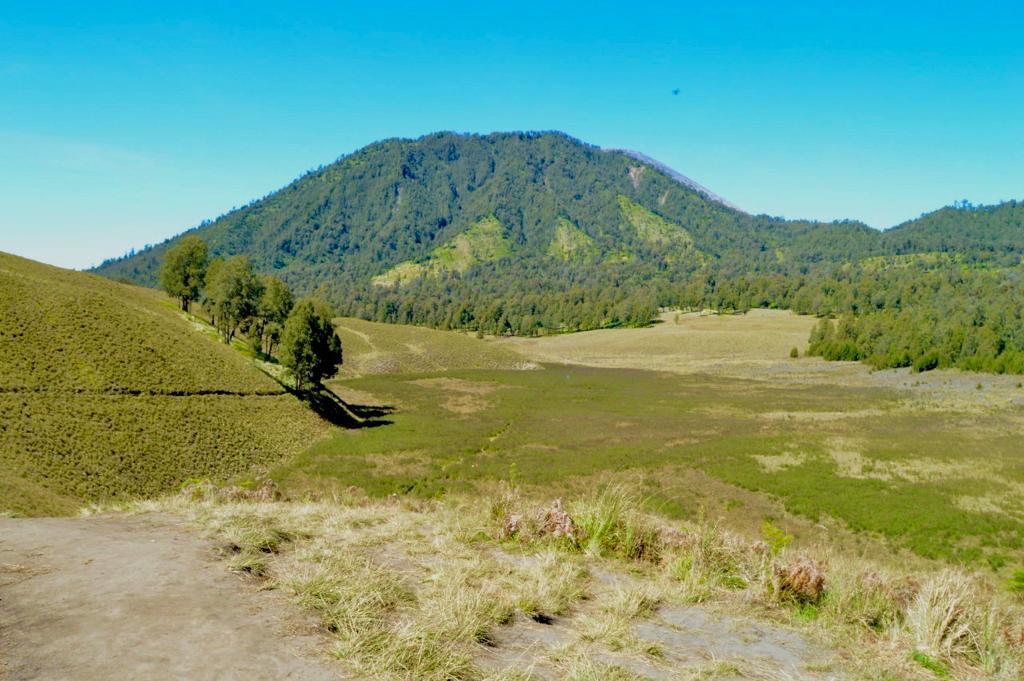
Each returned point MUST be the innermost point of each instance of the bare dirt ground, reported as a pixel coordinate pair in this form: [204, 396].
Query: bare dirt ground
[139, 597]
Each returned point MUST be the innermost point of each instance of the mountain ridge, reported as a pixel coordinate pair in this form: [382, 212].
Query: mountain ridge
[676, 175]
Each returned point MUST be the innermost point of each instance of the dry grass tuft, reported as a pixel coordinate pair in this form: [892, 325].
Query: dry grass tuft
[801, 581]
[558, 523]
[941, 618]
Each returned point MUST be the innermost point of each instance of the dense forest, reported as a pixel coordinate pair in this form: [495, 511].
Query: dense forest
[532, 233]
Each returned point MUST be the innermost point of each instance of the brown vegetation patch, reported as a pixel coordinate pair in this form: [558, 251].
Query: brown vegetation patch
[466, 397]
[773, 463]
[820, 416]
[802, 580]
[412, 464]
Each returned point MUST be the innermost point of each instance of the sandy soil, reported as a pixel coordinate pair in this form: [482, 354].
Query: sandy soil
[116, 597]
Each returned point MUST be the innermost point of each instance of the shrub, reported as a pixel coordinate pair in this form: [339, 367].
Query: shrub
[775, 537]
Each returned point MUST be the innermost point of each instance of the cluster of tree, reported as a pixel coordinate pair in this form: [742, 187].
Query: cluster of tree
[262, 308]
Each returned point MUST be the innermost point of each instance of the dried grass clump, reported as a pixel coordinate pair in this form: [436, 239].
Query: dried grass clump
[610, 524]
[606, 524]
[557, 523]
[941, 620]
[263, 490]
[511, 526]
[869, 598]
[801, 580]
[550, 586]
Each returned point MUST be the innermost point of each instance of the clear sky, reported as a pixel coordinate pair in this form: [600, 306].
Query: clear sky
[120, 126]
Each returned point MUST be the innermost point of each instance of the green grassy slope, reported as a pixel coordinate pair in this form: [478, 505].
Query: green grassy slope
[375, 348]
[107, 391]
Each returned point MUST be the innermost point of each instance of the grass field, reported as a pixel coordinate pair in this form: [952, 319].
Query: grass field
[931, 467]
[681, 342]
[107, 391]
[373, 348]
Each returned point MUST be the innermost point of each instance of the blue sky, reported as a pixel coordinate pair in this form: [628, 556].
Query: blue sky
[120, 126]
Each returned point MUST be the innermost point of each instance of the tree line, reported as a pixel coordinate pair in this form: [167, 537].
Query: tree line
[927, 311]
[261, 308]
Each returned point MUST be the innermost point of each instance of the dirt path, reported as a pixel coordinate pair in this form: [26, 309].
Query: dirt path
[114, 597]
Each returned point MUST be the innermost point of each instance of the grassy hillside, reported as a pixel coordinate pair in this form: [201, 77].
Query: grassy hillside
[107, 391]
[375, 348]
[485, 241]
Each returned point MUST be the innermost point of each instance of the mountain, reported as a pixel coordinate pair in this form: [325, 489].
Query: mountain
[536, 232]
[677, 176]
[107, 391]
[449, 226]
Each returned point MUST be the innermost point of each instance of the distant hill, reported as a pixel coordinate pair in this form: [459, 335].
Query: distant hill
[527, 233]
[976, 233]
[107, 391]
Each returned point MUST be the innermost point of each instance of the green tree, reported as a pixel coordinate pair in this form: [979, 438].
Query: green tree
[309, 346]
[275, 305]
[234, 293]
[184, 270]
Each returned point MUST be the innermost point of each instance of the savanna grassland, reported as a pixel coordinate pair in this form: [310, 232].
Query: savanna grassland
[108, 392]
[730, 426]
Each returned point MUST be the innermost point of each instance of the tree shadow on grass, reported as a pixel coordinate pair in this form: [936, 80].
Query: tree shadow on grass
[335, 410]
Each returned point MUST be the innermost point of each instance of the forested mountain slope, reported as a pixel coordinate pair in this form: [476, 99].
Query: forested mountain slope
[107, 391]
[529, 233]
[409, 212]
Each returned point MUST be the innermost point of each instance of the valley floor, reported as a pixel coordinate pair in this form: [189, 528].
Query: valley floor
[699, 463]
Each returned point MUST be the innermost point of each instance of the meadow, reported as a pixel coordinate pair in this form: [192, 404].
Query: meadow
[864, 459]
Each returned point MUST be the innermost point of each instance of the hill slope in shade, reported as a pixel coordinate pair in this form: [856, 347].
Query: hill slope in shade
[107, 391]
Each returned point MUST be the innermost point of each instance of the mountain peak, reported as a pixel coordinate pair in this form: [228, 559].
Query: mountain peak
[677, 176]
